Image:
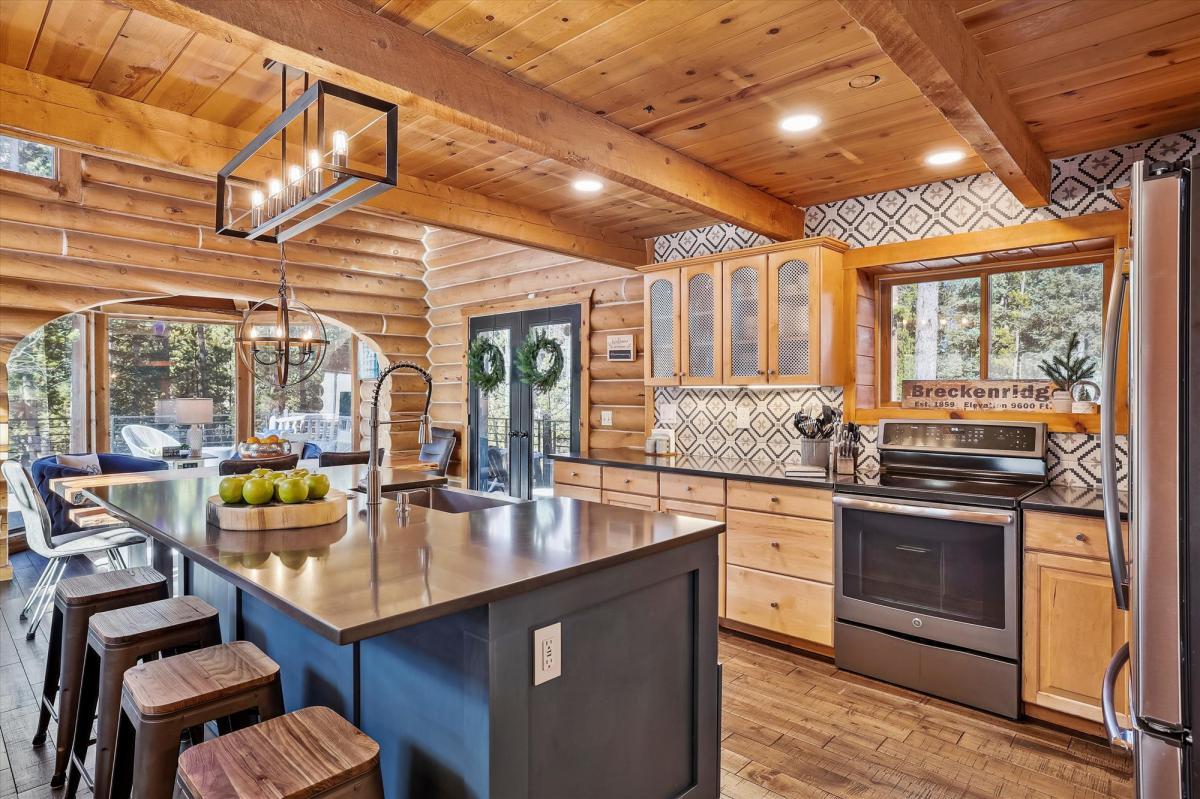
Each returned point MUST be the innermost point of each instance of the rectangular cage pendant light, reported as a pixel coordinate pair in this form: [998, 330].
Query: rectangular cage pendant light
[272, 190]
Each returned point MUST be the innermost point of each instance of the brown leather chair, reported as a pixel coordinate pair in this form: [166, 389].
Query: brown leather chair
[440, 450]
[353, 458]
[239, 466]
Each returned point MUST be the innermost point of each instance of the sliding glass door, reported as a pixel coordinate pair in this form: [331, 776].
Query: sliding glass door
[513, 428]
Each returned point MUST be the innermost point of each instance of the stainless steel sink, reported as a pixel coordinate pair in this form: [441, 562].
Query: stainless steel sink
[450, 500]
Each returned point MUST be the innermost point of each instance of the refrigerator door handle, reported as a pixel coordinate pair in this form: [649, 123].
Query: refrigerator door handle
[1108, 440]
[1117, 735]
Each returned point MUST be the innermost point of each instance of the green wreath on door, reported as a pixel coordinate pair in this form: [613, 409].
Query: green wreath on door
[537, 349]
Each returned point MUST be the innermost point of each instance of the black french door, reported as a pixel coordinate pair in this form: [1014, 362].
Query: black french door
[514, 428]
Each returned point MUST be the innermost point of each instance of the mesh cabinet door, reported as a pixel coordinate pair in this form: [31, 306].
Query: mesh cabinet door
[744, 338]
[793, 326]
[700, 311]
[662, 333]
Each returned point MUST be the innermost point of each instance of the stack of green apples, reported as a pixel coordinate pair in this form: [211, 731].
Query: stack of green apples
[262, 486]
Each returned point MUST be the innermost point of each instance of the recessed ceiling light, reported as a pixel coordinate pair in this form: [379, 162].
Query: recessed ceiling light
[799, 122]
[588, 185]
[863, 81]
[943, 157]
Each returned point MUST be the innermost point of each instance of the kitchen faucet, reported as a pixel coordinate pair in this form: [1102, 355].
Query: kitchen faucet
[425, 430]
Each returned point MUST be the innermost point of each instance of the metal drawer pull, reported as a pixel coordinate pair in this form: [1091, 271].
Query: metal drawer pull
[1080, 537]
[775, 544]
[774, 499]
[981, 517]
[775, 605]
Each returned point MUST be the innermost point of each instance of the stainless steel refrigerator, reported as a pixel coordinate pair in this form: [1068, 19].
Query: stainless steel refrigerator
[1158, 579]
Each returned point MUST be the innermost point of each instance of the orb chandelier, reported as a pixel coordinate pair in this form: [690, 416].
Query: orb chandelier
[282, 336]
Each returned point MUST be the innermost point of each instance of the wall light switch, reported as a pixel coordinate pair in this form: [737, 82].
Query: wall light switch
[670, 413]
[606, 418]
[547, 653]
[743, 419]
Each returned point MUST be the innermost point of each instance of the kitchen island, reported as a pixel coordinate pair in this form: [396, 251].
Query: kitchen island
[420, 629]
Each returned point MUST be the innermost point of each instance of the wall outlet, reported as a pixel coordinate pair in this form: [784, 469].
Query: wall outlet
[743, 419]
[670, 413]
[547, 653]
[606, 418]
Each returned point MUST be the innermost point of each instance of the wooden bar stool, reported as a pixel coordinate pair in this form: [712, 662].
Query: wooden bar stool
[162, 698]
[311, 753]
[117, 640]
[76, 600]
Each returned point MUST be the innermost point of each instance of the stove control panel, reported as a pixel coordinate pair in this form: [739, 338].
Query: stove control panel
[1016, 439]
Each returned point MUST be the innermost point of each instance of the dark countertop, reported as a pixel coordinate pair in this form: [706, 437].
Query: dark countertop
[698, 465]
[1079, 500]
[347, 585]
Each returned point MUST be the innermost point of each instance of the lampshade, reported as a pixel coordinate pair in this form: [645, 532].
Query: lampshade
[193, 410]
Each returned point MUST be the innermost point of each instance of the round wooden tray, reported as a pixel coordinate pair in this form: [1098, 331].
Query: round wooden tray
[276, 515]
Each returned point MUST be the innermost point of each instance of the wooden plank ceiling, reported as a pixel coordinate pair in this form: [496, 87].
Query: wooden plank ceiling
[709, 78]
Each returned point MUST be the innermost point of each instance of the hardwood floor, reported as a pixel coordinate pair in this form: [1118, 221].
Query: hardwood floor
[793, 726]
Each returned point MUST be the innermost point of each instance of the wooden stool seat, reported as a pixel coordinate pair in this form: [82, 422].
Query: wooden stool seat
[302, 754]
[196, 678]
[121, 626]
[100, 587]
[76, 601]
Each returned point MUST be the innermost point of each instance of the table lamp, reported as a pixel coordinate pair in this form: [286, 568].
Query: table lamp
[194, 411]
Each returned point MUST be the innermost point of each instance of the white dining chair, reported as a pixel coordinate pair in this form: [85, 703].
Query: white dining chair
[25, 499]
[140, 438]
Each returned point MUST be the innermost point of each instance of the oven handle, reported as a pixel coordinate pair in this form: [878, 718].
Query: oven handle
[952, 514]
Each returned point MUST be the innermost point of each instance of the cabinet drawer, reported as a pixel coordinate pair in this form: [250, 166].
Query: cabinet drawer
[782, 544]
[697, 509]
[788, 605]
[710, 490]
[1069, 534]
[577, 474]
[812, 503]
[576, 492]
[630, 500]
[630, 481]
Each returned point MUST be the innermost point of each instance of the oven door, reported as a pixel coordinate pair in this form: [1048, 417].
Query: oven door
[945, 573]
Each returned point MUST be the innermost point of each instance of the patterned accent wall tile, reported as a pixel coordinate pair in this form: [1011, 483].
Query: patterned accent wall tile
[705, 241]
[706, 420]
[1081, 184]
[1074, 459]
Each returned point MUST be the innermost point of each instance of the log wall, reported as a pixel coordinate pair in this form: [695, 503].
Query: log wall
[466, 274]
[107, 231]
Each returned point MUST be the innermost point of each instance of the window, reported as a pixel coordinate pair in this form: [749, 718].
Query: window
[998, 322]
[28, 158]
[152, 360]
[47, 391]
[321, 408]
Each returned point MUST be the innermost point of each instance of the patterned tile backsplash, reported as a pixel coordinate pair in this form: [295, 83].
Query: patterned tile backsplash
[706, 424]
[1080, 184]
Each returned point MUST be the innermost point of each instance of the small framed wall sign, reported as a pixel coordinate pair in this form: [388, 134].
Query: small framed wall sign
[978, 395]
[620, 348]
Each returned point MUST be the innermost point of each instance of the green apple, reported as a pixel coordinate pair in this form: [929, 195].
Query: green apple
[298, 472]
[231, 489]
[258, 491]
[261, 471]
[273, 476]
[318, 485]
[291, 490]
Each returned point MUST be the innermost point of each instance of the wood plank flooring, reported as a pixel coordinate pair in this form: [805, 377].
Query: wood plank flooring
[793, 726]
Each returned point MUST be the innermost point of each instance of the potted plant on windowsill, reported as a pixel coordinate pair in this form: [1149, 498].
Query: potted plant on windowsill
[1067, 370]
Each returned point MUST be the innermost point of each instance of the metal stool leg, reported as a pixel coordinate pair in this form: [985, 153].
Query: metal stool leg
[47, 598]
[38, 587]
[50, 678]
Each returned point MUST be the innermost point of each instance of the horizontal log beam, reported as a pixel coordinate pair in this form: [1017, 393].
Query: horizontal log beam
[62, 113]
[926, 39]
[360, 50]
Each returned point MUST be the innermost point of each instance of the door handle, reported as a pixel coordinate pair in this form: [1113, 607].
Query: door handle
[1117, 735]
[1108, 442]
[953, 514]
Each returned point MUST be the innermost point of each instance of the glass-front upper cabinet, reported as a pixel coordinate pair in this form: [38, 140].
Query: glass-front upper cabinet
[700, 317]
[804, 291]
[744, 310]
[661, 314]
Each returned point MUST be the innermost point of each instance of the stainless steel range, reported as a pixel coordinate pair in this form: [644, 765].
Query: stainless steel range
[927, 559]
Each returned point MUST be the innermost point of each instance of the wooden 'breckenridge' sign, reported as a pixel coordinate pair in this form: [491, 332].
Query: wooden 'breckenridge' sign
[978, 395]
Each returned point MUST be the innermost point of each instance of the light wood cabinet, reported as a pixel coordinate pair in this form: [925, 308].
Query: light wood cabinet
[630, 481]
[577, 492]
[623, 500]
[744, 317]
[782, 544]
[661, 314]
[1071, 628]
[812, 503]
[709, 490]
[764, 317]
[700, 325]
[1069, 534]
[577, 474]
[798, 609]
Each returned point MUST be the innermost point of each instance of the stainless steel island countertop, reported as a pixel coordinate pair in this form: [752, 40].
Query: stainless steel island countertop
[348, 583]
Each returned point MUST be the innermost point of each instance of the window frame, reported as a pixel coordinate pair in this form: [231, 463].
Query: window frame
[885, 282]
[57, 159]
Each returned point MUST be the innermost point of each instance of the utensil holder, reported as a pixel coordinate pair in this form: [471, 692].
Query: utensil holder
[814, 452]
